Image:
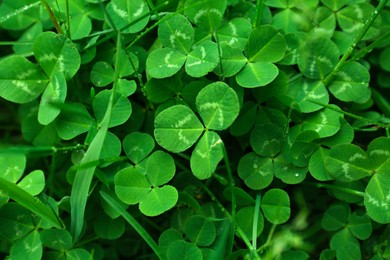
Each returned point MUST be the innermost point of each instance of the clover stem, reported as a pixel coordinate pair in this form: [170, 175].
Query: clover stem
[360, 35]
[259, 12]
[269, 238]
[255, 224]
[335, 187]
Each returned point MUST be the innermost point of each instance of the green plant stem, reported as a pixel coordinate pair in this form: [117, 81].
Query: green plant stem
[335, 187]
[349, 114]
[231, 185]
[52, 16]
[68, 18]
[229, 217]
[360, 35]
[259, 12]
[255, 224]
[269, 238]
[133, 223]
[360, 54]
[41, 149]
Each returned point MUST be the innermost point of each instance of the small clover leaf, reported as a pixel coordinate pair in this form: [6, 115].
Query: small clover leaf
[160, 90]
[256, 171]
[206, 155]
[164, 62]
[245, 219]
[232, 61]
[276, 206]
[266, 139]
[137, 146]
[200, 230]
[121, 107]
[52, 99]
[257, 74]
[20, 80]
[235, 33]
[177, 33]
[159, 200]
[377, 198]
[318, 57]
[123, 13]
[265, 44]
[360, 225]
[346, 245]
[325, 122]
[183, 250]
[202, 59]
[131, 186]
[351, 83]
[160, 168]
[207, 14]
[348, 162]
[217, 105]
[56, 53]
[336, 217]
[177, 128]
[102, 74]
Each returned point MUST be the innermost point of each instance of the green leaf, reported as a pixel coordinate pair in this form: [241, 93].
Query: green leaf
[288, 20]
[202, 59]
[15, 222]
[29, 245]
[160, 168]
[256, 171]
[325, 122]
[303, 90]
[18, 15]
[131, 186]
[235, 33]
[276, 206]
[287, 172]
[207, 14]
[33, 183]
[12, 166]
[266, 139]
[348, 162]
[257, 74]
[318, 57]
[56, 54]
[20, 80]
[137, 146]
[317, 167]
[165, 62]
[351, 83]
[160, 90]
[265, 44]
[336, 217]
[360, 226]
[245, 219]
[123, 13]
[232, 61]
[346, 245]
[218, 105]
[121, 107]
[200, 230]
[183, 250]
[177, 33]
[379, 152]
[335, 4]
[159, 200]
[206, 155]
[52, 99]
[108, 228]
[111, 147]
[177, 128]
[245, 120]
[80, 26]
[376, 198]
[73, 121]
[31, 203]
[169, 236]
[58, 239]
[102, 74]
[384, 59]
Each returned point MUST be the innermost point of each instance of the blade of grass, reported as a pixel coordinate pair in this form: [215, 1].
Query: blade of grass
[83, 177]
[133, 222]
[255, 223]
[18, 11]
[30, 202]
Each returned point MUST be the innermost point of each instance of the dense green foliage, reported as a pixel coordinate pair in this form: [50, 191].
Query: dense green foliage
[194, 129]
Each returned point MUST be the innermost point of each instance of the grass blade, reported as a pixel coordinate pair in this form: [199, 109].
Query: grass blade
[30, 202]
